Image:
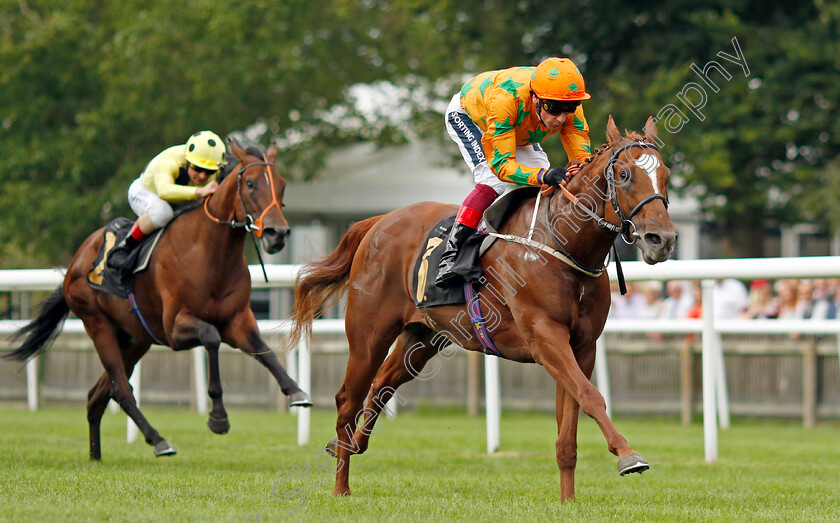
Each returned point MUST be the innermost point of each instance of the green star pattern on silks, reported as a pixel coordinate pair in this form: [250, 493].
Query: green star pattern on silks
[485, 84]
[519, 177]
[553, 73]
[579, 124]
[521, 114]
[573, 86]
[467, 86]
[510, 86]
[503, 127]
[499, 159]
[587, 147]
[536, 136]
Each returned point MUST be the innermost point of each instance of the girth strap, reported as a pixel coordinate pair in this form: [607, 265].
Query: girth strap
[477, 320]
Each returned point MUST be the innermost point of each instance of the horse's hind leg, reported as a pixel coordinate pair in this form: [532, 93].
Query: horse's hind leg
[369, 337]
[99, 395]
[415, 346]
[97, 401]
[104, 337]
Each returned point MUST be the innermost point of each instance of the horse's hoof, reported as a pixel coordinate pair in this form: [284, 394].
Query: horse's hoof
[343, 491]
[331, 447]
[219, 426]
[164, 449]
[300, 399]
[632, 462]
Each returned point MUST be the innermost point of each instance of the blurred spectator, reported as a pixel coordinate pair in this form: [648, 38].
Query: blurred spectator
[804, 300]
[627, 306]
[729, 297]
[651, 305]
[786, 299]
[678, 301]
[696, 310]
[823, 296]
[760, 301]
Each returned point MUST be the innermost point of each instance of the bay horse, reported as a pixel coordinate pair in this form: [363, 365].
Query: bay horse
[546, 311]
[196, 291]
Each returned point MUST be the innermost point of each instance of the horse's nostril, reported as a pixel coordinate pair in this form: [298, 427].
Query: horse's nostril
[653, 239]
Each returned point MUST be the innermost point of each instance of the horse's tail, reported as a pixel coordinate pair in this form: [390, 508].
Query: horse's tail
[320, 284]
[41, 331]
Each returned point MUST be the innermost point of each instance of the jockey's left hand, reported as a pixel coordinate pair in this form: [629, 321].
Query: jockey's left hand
[207, 190]
[555, 176]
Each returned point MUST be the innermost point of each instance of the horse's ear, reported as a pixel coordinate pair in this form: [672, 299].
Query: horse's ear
[235, 149]
[272, 153]
[650, 130]
[613, 136]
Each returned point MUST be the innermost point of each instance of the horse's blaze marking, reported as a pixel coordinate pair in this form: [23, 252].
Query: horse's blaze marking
[650, 163]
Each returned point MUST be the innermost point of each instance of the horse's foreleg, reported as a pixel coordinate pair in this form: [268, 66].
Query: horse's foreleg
[566, 447]
[555, 354]
[244, 334]
[185, 331]
[406, 361]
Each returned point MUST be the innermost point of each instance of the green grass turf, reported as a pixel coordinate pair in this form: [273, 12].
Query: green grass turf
[425, 465]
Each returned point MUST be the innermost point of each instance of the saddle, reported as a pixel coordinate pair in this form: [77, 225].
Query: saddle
[106, 279]
[426, 293]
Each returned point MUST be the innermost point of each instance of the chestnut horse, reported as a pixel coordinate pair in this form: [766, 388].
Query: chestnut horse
[196, 291]
[545, 310]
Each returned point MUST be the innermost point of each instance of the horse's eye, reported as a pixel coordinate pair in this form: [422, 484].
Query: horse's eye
[624, 175]
[249, 184]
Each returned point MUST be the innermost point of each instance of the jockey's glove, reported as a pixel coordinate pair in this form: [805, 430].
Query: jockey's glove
[555, 177]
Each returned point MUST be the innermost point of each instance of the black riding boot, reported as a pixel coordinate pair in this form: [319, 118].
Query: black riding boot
[118, 256]
[457, 235]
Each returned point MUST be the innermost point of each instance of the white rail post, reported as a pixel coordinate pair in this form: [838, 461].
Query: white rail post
[305, 383]
[200, 372]
[32, 383]
[710, 436]
[602, 377]
[292, 370]
[391, 404]
[130, 428]
[493, 400]
[720, 384]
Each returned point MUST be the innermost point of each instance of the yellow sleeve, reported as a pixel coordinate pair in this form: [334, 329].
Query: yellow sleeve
[499, 142]
[575, 136]
[162, 171]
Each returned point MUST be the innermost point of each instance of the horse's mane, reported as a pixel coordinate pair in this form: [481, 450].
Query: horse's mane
[231, 161]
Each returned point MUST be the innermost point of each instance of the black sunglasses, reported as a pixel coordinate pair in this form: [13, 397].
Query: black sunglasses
[558, 107]
[202, 169]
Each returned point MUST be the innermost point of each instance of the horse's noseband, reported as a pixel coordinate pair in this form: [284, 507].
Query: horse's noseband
[609, 173]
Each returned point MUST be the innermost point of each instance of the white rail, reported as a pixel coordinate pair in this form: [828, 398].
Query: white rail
[715, 402]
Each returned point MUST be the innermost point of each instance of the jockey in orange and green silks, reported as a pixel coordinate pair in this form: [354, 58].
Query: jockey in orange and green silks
[498, 120]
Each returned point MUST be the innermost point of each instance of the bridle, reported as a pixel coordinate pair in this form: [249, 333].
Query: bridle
[255, 227]
[250, 224]
[612, 194]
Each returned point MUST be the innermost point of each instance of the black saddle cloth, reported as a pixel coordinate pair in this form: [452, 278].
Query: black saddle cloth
[427, 294]
[107, 279]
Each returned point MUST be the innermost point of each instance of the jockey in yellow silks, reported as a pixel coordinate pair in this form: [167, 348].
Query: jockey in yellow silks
[178, 174]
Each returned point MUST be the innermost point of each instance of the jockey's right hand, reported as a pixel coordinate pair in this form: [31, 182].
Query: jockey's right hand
[207, 190]
[555, 177]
